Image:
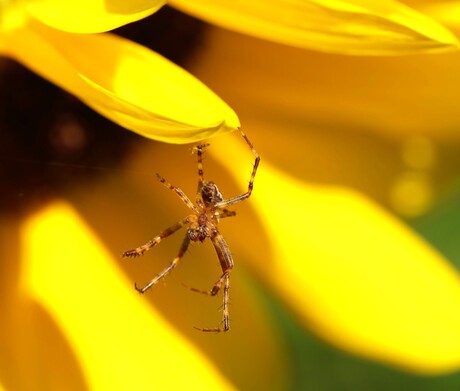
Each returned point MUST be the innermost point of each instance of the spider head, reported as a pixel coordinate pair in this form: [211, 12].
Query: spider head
[197, 234]
[210, 194]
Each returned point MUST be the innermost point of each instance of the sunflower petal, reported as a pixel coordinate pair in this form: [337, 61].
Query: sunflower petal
[355, 275]
[396, 97]
[126, 82]
[91, 16]
[119, 341]
[352, 27]
[447, 12]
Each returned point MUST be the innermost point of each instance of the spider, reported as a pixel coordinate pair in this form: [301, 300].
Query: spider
[202, 223]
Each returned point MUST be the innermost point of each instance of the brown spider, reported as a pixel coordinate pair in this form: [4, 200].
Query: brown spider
[202, 223]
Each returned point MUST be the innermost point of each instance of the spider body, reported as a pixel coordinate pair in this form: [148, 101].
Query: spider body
[202, 223]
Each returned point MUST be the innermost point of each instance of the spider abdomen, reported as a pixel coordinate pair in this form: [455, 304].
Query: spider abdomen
[210, 194]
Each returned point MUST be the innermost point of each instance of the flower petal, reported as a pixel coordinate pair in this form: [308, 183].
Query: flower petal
[355, 275]
[397, 97]
[126, 82]
[91, 16]
[119, 341]
[447, 12]
[352, 26]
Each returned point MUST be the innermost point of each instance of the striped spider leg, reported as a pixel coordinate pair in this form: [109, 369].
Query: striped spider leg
[202, 223]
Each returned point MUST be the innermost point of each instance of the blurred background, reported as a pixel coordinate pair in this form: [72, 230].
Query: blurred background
[52, 146]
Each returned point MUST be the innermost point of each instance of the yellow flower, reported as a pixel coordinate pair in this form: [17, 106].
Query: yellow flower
[350, 271]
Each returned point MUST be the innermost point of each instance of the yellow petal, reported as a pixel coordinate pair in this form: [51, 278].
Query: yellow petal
[352, 27]
[447, 12]
[126, 82]
[355, 275]
[392, 97]
[91, 16]
[118, 340]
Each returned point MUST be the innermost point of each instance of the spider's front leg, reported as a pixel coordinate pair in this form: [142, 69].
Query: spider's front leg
[179, 192]
[243, 196]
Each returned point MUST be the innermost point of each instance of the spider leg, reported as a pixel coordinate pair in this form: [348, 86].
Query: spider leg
[157, 239]
[226, 213]
[226, 262]
[214, 290]
[179, 192]
[226, 323]
[166, 270]
[243, 196]
[199, 150]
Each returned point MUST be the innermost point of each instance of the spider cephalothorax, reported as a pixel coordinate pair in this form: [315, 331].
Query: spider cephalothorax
[202, 223]
[199, 230]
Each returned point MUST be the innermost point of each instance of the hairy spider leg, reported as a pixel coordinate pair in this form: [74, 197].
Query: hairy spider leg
[222, 213]
[165, 271]
[226, 319]
[199, 150]
[214, 290]
[179, 192]
[157, 239]
[243, 196]
[226, 262]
